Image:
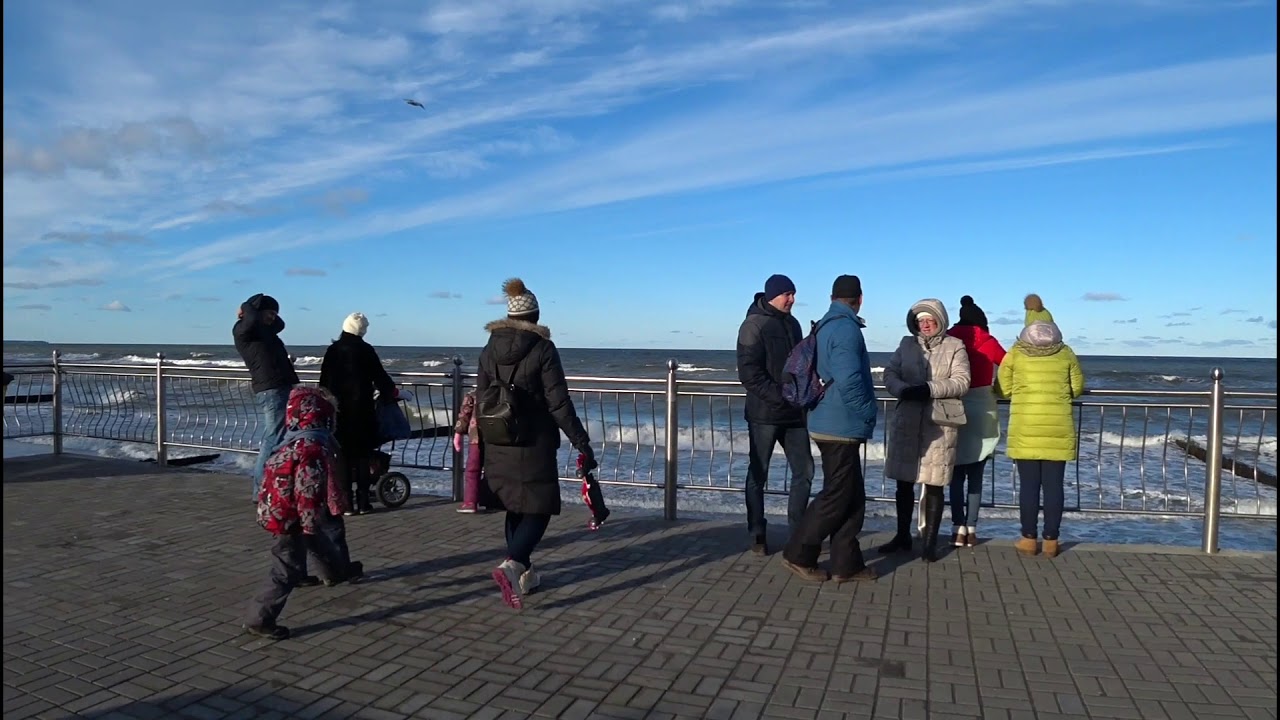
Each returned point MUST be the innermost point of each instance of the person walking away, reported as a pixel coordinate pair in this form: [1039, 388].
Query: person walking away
[927, 367]
[465, 426]
[301, 489]
[1036, 311]
[523, 405]
[257, 339]
[980, 434]
[841, 424]
[351, 370]
[765, 338]
[1041, 375]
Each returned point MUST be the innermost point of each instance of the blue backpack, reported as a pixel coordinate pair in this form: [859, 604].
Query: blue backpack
[801, 385]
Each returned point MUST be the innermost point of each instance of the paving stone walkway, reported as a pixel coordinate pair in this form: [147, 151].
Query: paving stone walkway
[124, 585]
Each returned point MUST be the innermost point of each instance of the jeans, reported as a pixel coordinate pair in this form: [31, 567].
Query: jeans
[961, 476]
[1036, 476]
[524, 532]
[272, 403]
[838, 513]
[795, 444]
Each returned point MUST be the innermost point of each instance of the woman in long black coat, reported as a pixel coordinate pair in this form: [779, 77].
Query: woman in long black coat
[351, 371]
[525, 478]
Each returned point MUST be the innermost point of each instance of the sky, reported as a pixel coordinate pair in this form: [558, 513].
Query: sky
[643, 166]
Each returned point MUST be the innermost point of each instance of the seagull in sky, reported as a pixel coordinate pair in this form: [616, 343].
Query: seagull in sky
[415, 103]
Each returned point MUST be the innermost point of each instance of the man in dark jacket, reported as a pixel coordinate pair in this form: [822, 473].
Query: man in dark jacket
[351, 371]
[767, 336]
[257, 337]
[525, 477]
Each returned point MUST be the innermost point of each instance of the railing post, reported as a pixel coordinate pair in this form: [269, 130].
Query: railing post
[459, 464]
[162, 453]
[1213, 465]
[671, 464]
[57, 402]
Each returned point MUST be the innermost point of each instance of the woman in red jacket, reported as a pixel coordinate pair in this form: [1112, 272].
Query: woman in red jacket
[981, 432]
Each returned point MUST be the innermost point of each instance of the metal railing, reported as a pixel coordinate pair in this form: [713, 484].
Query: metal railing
[1139, 452]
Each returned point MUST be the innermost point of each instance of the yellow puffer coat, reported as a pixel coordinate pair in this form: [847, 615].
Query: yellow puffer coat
[1041, 376]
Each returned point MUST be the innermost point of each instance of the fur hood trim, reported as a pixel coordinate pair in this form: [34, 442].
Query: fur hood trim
[514, 324]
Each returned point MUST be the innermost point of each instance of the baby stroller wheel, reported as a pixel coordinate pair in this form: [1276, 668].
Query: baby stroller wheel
[393, 489]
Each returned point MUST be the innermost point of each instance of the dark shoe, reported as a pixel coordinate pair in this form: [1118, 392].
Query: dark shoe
[355, 570]
[960, 536]
[808, 574]
[932, 521]
[899, 543]
[270, 632]
[759, 546]
[309, 581]
[865, 574]
[971, 540]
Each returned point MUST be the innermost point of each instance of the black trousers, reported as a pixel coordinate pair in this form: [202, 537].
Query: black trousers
[288, 568]
[524, 532]
[837, 512]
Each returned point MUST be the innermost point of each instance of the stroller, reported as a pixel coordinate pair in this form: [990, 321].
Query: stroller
[391, 487]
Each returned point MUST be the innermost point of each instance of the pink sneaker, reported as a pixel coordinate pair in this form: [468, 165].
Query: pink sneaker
[467, 508]
[507, 577]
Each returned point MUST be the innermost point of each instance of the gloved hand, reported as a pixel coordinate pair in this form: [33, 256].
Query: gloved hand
[915, 393]
[588, 459]
[457, 442]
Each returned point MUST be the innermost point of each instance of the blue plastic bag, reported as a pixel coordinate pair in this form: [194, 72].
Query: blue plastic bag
[392, 423]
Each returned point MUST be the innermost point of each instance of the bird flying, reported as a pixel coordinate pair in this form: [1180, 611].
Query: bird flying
[415, 103]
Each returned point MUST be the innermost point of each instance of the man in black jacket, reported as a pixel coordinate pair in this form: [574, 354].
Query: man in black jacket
[766, 337]
[257, 337]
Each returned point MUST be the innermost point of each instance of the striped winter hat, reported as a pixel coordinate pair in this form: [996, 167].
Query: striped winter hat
[519, 300]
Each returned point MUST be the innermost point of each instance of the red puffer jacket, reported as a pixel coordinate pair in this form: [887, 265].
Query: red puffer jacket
[301, 478]
[985, 352]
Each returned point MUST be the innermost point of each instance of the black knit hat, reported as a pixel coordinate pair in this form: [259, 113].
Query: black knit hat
[846, 287]
[971, 314]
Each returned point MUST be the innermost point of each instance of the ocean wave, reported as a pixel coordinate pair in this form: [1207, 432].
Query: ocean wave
[432, 363]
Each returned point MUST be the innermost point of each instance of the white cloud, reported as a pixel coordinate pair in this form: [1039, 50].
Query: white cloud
[116, 306]
[1103, 297]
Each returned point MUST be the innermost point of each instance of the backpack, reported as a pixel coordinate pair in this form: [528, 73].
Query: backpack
[801, 385]
[499, 414]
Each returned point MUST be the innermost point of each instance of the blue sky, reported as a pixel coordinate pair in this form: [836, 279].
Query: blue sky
[643, 166]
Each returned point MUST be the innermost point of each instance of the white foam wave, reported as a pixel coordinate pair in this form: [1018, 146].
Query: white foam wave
[687, 367]
[308, 361]
[432, 363]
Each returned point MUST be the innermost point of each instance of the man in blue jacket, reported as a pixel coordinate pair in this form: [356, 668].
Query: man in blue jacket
[766, 337]
[257, 337]
[840, 425]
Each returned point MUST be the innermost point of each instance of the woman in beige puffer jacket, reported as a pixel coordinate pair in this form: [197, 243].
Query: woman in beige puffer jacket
[927, 366]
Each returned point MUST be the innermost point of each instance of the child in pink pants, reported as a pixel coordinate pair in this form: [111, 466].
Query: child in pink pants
[466, 425]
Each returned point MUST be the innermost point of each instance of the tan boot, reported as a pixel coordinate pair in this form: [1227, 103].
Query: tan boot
[1027, 546]
[1050, 548]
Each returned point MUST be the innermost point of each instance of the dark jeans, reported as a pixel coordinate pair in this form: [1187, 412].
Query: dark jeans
[359, 478]
[837, 513]
[288, 568]
[962, 475]
[524, 532]
[272, 403]
[795, 444]
[1036, 476]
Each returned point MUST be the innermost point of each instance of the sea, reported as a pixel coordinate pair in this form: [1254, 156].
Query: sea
[1118, 458]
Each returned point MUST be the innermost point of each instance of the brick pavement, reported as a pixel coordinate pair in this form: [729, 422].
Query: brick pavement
[123, 588]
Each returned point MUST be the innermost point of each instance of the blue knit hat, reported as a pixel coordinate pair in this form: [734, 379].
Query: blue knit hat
[777, 285]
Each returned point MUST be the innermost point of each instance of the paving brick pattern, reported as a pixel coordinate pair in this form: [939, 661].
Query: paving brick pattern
[123, 589]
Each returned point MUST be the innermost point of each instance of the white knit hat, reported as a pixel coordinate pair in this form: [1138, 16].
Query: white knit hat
[519, 300]
[356, 324]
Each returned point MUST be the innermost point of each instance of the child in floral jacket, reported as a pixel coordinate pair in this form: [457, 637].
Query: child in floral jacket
[301, 502]
[466, 425]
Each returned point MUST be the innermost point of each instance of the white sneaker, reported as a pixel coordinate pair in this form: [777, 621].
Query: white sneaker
[507, 577]
[529, 581]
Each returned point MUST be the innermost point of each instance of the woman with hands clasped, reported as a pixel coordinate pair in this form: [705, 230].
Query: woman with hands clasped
[928, 374]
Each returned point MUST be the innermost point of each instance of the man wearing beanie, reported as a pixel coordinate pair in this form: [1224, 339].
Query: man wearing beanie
[257, 338]
[841, 424]
[520, 372]
[767, 335]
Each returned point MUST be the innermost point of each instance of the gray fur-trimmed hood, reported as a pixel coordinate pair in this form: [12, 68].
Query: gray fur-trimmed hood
[514, 324]
[510, 340]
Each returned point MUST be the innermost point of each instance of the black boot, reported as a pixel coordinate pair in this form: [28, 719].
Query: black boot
[363, 506]
[905, 501]
[932, 521]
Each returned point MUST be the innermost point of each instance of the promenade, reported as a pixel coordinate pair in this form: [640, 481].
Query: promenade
[124, 586]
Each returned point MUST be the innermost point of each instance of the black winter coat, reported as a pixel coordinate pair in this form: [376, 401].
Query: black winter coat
[765, 339]
[262, 349]
[351, 370]
[526, 479]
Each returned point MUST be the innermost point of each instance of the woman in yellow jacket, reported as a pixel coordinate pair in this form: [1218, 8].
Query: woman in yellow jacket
[1041, 375]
